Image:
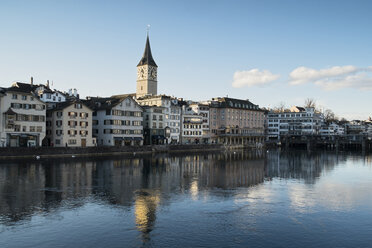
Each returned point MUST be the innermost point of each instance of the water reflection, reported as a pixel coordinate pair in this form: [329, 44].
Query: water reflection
[27, 187]
[301, 164]
[143, 186]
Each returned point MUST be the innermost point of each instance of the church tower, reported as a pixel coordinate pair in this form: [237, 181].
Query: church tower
[147, 70]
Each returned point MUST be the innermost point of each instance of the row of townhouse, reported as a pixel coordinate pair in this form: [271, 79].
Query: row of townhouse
[299, 121]
[220, 120]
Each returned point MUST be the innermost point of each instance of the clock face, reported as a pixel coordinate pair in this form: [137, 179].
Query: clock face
[153, 74]
[140, 73]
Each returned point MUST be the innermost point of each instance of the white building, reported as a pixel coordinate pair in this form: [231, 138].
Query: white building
[202, 110]
[172, 114]
[117, 121]
[22, 121]
[331, 130]
[192, 129]
[154, 125]
[297, 121]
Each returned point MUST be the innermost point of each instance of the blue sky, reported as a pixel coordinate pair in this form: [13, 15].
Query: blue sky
[265, 51]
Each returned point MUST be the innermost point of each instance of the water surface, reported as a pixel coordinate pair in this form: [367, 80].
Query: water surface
[238, 199]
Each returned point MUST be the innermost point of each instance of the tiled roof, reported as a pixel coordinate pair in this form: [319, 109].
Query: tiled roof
[22, 87]
[63, 105]
[102, 103]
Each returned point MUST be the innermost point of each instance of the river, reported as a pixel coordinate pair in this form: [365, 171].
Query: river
[220, 199]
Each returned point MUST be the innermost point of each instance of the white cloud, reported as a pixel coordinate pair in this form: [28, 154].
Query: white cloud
[333, 78]
[252, 78]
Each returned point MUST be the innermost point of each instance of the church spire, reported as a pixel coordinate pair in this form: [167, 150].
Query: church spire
[147, 56]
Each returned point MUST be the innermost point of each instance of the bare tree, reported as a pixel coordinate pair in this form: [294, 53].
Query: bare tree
[310, 103]
[329, 116]
[280, 107]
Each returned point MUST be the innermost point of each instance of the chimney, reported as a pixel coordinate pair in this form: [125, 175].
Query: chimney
[32, 81]
[47, 84]
[70, 92]
[75, 92]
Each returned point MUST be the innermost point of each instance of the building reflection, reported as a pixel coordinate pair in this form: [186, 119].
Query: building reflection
[143, 184]
[301, 164]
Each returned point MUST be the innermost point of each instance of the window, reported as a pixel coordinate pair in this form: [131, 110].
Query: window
[14, 96]
[136, 123]
[72, 142]
[83, 123]
[24, 97]
[72, 114]
[78, 105]
[58, 142]
[83, 132]
[32, 129]
[39, 129]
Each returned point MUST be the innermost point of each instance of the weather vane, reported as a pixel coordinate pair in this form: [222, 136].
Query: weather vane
[148, 29]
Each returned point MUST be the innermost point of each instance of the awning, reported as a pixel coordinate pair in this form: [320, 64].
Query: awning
[137, 138]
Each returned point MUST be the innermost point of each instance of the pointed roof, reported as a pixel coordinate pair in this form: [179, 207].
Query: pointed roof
[147, 56]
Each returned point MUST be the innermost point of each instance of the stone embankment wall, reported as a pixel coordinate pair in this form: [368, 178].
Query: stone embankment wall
[50, 152]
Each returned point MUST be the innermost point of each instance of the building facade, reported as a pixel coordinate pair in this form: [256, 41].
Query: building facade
[202, 109]
[70, 124]
[155, 132]
[297, 121]
[236, 122]
[172, 114]
[117, 121]
[22, 117]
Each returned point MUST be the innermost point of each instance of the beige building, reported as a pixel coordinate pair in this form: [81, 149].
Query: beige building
[236, 121]
[70, 124]
[22, 120]
[147, 82]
